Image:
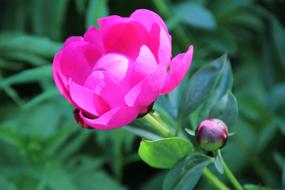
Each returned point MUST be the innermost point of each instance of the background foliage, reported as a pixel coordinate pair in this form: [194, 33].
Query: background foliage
[43, 148]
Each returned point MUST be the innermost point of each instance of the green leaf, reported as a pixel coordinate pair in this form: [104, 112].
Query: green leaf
[218, 163]
[226, 109]
[41, 97]
[221, 103]
[186, 173]
[75, 145]
[221, 40]
[5, 184]
[278, 36]
[276, 99]
[57, 141]
[200, 86]
[195, 15]
[47, 24]
[12, 93]
[24, 57]
[164, 153]
[255, 187]
[154, 183]
[31, 75]
[280, 160]
[141, 132]
[99, 180]
[190, 132]
[80, 5]
[96, 9]
[9, 65]
[41, 46]
[83, 165]
[55, 177]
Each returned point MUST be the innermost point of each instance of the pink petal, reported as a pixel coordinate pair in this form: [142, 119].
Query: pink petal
[147, 18]
[94, 36]
[144, 64]
[115, 65]
[87, 100]
[125, 38]
[178, 69]
[107, 22]
[113, 92]
[160, 42]
[94, 81]
[56, 74]
[59, 79]
[77, 60]
[147, 90]
[164, 48]
[72, 39]
[114, 118]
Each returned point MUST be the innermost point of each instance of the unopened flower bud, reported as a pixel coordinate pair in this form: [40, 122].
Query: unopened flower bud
[211, 134]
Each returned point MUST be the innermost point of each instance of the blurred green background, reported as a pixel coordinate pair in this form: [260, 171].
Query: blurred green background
[41, 147]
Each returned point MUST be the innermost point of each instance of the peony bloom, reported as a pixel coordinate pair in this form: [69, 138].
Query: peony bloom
[114, 73]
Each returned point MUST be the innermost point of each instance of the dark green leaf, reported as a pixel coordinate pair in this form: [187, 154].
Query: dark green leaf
[280, 160]
[6, 185]
[218, 163]
[73, 146]
[278, 36]
[255, 187]
[186, 173]
[9, 65]
[96, 9]
[189, 12]
[41, 97]
[41, 46]
[226, 109]
[45, 23]
[221, 103]
[80, 5]
[99, 180]
[23, 56]
[164, 153]
[141, 132]
[55, 177]
[31, 75]
[276, 99]
[154, 183]
[200, 86]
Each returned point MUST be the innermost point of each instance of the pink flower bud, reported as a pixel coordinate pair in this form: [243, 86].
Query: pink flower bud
[212, 134]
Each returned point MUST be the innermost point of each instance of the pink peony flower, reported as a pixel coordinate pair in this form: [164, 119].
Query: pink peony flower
[114, 73]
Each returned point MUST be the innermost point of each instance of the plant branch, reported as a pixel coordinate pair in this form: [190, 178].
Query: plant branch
[213, 180]
[229, 174]
[158, 126]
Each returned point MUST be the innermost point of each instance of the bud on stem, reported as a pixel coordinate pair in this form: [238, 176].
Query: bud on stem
[211, 134]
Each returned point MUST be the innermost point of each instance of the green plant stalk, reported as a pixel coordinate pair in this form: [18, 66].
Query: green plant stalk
[229, 174]
[160, 128]
[213, 180]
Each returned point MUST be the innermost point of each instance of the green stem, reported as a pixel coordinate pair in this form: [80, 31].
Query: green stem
[160, 128]
[213, 180]
[229, 174]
